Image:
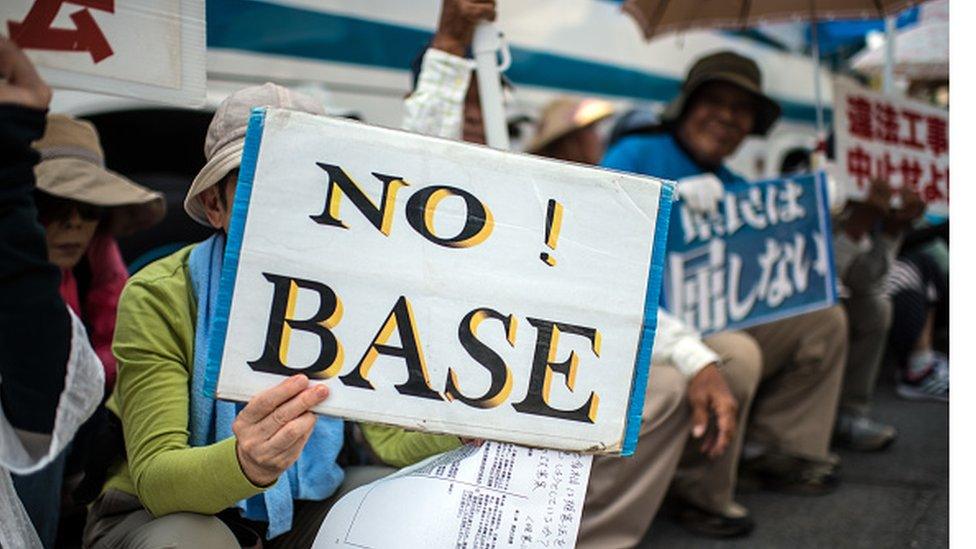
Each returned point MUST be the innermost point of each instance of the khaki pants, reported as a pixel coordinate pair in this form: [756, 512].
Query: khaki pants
[803, 366]
[707, 483]
[869, 318]
[118, 520]
[624, 493]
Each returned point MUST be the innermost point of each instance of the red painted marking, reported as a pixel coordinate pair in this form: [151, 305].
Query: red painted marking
[36, 32]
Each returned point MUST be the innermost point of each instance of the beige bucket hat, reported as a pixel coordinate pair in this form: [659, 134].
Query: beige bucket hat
[565, 115]
[726, 66]
[73, 166]
[224, 145]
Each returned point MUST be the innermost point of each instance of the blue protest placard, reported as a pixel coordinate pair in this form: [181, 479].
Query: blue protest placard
[767, 254]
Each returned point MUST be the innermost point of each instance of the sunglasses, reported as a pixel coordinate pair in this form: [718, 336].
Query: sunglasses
[52, 209]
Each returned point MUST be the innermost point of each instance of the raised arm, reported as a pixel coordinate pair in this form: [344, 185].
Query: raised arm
[436, 105]
[35, 327]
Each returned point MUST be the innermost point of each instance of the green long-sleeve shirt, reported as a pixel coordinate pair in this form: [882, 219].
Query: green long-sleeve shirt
[153, 343]
[398, 447]
[154, 339]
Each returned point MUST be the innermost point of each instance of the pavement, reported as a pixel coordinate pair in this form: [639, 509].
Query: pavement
[895, 498]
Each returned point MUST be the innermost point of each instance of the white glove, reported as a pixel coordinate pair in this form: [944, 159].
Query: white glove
[701, 193]
[837, 193]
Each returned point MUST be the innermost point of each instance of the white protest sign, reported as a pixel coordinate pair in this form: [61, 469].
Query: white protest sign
[148, 49]
[903, 141]
[493, 496]
[441, 286]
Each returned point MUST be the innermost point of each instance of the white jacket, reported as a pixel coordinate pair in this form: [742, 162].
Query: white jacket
[23, 452]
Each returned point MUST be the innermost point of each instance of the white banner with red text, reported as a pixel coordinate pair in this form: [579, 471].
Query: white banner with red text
[902, 141]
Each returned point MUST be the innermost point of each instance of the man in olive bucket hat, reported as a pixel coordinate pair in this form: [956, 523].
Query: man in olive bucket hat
[199, 472]
[82, 207]
[789, 429]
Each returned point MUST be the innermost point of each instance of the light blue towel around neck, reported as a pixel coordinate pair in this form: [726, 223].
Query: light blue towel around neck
[315, 476]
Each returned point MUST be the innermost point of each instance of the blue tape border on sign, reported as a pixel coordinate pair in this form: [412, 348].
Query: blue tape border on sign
[232, 253]
[643, 364]
[826, 228]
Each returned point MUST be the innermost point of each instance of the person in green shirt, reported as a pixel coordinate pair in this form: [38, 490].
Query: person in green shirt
[199, 472]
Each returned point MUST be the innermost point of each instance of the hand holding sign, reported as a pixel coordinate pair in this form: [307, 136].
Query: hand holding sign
[899, 219]
[701, 193]
[274, 426]
[879, 196]
[865, 214]
[21, 84]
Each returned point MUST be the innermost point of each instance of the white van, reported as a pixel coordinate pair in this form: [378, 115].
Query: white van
[356, 56]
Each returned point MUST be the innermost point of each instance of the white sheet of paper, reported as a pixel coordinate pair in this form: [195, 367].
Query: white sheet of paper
[495, 496]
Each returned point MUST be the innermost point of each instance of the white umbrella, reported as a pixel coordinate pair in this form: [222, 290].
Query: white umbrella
[488, 43]
[921, 53]
[660, 16]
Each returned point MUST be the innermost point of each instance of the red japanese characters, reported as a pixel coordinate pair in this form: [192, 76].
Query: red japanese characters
[903, 142]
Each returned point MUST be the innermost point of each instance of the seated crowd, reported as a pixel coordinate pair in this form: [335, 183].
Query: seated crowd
[162, 464]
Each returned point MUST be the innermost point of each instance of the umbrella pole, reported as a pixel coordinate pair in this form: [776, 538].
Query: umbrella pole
[889, 60]
[815, 46]
[486, 45]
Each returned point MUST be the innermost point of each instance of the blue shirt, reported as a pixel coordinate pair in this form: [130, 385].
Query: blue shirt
[660, 155]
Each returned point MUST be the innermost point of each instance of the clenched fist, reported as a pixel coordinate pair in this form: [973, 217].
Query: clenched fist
[21, 85]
